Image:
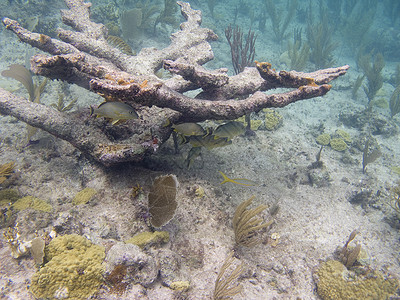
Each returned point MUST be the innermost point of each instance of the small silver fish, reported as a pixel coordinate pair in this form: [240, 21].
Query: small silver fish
[116, 111]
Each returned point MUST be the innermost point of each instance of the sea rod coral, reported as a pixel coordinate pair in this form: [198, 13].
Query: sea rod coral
[83, 56]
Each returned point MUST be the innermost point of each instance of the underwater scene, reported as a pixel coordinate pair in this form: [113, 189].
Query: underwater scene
[161, 149]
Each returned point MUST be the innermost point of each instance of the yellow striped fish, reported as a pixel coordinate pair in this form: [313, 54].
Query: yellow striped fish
[239, 181]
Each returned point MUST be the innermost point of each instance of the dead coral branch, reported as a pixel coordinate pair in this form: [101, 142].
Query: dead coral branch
[84, 57]
[91, 136]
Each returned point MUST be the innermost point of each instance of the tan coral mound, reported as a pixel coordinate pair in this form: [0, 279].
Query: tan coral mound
[73, 270]
[336, 282]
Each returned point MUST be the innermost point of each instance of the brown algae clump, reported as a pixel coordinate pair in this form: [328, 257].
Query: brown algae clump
[73, 271]
[6, 170]
[84, 196]
[336, 282]
[32, 202]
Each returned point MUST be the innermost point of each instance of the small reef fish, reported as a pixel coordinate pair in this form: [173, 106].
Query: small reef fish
[239, 181]
[189, 129]
[209, 141]
[115, 111]
[185, 130]
[193, 153]
[229, 130]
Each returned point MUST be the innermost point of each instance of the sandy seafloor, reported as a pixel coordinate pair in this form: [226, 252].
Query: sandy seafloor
[312, 221]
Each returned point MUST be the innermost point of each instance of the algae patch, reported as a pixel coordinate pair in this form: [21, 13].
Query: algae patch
[323, 139]
[6, 170]
[339, 133]
[395, 170]
[338, 144]
[339, 141]
[144, 239]
[8, 196]
[255, 124]
[32, 202]
[180, 285]
[272, 119]
[84, 196]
